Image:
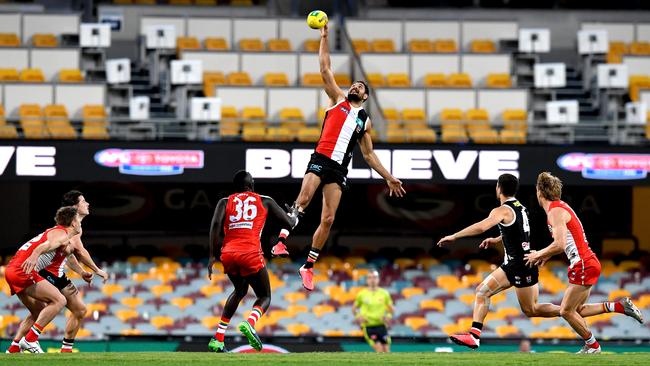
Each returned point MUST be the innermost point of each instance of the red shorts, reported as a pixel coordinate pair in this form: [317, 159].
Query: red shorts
[585, 272]
[243, 264]
[19, 280]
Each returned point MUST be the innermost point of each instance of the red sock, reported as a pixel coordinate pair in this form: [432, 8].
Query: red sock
[618, 307]
[34, 333]
[221, 329]
[255, 315]
[591, 341]
[615, 307]
[14, 348]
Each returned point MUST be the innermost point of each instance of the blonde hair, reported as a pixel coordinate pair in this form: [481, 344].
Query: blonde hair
[549, 186]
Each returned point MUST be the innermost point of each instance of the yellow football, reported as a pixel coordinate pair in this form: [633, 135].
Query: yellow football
[316, 19]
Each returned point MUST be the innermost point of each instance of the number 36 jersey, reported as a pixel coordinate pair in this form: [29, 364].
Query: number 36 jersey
[245, 219]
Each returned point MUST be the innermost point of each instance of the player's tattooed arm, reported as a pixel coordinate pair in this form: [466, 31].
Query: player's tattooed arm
[496, 216]
[558, 218]
[394, 184]
[216, 232]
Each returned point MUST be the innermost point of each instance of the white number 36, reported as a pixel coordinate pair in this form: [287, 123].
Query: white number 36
[245, 209]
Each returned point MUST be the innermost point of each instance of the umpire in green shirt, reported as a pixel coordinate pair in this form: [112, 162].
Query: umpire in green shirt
[373, 309]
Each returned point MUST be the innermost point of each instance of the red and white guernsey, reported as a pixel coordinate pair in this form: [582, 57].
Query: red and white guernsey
[342, 128]
[245, 219]
[27, 249]
[53, 262]
[577, 247]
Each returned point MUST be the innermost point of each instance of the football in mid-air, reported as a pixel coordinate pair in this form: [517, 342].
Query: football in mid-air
[317, 19]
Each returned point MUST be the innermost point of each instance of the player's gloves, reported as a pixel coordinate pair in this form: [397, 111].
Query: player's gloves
[294, 214]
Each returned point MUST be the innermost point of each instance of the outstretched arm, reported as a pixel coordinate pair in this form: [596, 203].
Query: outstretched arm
[333, 91]
[75, 266]
[84, 257]
[56, 238]
[216, 236]
[496, 216]
[286, 221]
[558, 218]
[394, 184]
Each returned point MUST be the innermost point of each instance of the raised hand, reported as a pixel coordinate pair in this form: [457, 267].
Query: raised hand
[395, 187]
[446, 240]
[487, 242]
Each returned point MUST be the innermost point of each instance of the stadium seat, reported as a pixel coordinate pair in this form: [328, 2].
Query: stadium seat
[477, 119]
[459, 80]
[382, 46]
[58, 124]
[292, 118]
[32, 76]
[297, 329]
[44, 40]
[426, 262]
[132, 302]
[308, 134]
[215, 44]
[279, 45]
[251, 44]
[360, 46]
[616, 51]
[421, 46]
[450, 283]
[276, 79]
[415, 322]
[9, 40]
[451, 115]
[404, 263]
[376, 80]
[211, 290]
[280, 134]
[482, 46]
[162, 321]
[9, 75]
[253, 116]
[253, 133]
[412, 291]
[445, 46]
[638, 82]
[398, 80]
[210, 80]
[71, 76]
[31, 121]
[333, 333]
[8, 131]
[312, 79]
[343, 80]
[180, 2]
[241, 2]
[498, 81]
[110, 289]
[205, 2]
[181, 302]
[508, 330]
[160, 290]
[136, 259]
[414, 118]
[393, 117]
[187, 43]
[432, 304]
[9, 319]
[131, 332]
[640, 48]
[396, 135]
[239, 78]
[311, 45]
[435, 80]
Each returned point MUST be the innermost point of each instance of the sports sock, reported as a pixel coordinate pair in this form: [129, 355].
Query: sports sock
[34, 333]
[255, 315]
[67, 344]
[15, 347]
[614, 306]
[591, 341]
[476, 330]
[312, 257]
[221, 329]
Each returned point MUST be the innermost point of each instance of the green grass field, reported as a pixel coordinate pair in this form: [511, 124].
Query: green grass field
[329, 359]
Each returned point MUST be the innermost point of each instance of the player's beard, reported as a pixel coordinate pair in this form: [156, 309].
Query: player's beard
[354, 98]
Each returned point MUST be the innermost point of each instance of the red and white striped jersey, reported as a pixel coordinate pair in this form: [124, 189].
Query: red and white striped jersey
[577, 246]
[342, 128]
[53, 262]
[26, 249]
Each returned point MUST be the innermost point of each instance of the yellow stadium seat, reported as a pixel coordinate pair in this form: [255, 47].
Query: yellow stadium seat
[414, 118]
[477, 119]
[482, 46]
[229, 112]
[312, 79]
[241, 2]
[295, 309]
[280, 134]
[239, 79]
[162, 321]
[32, 76]
[396, 135]
[132, 302]
[308, 134]
[253, 116]
[435, 80]
[136, 259]
[55, 111]
[334, 333]
[31, 121]
[110, 289]
[251, 44]
[514, 115]
[398, 80]
[180, 2]
[360, 46]
[432, 304]
[71, 76]
[205, 2]
[311, 45]
[498, 81]
[210, 80]
[453, 134]
[254, 133]
[459, 80]
[294, 297]
[618, 47]
[421, 46]
[382, 46]
[182, 302]
[8, 132]
[279, 45]
[130, 332]
[44, 40]
[8, 319]
[187, 43]
[451, 114]
[513, 137]
[445, 46]
[292, 118]
[638, 82]
[343, 80]
[9, 75]
[393, 117]
[160, 290]
[297, 329]
[415, 322]
[407, 292]
[215, 44]
[426, 262]
[376, 80]
[9, 40]
[276, 79]
[614, 58]
[92, 307]
[449, 282]
[504, 331]
[94, 114]
[643, 301]
[211, 290]
[640, 48]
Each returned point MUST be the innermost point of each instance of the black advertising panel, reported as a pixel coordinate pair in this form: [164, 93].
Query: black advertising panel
[268, 162]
